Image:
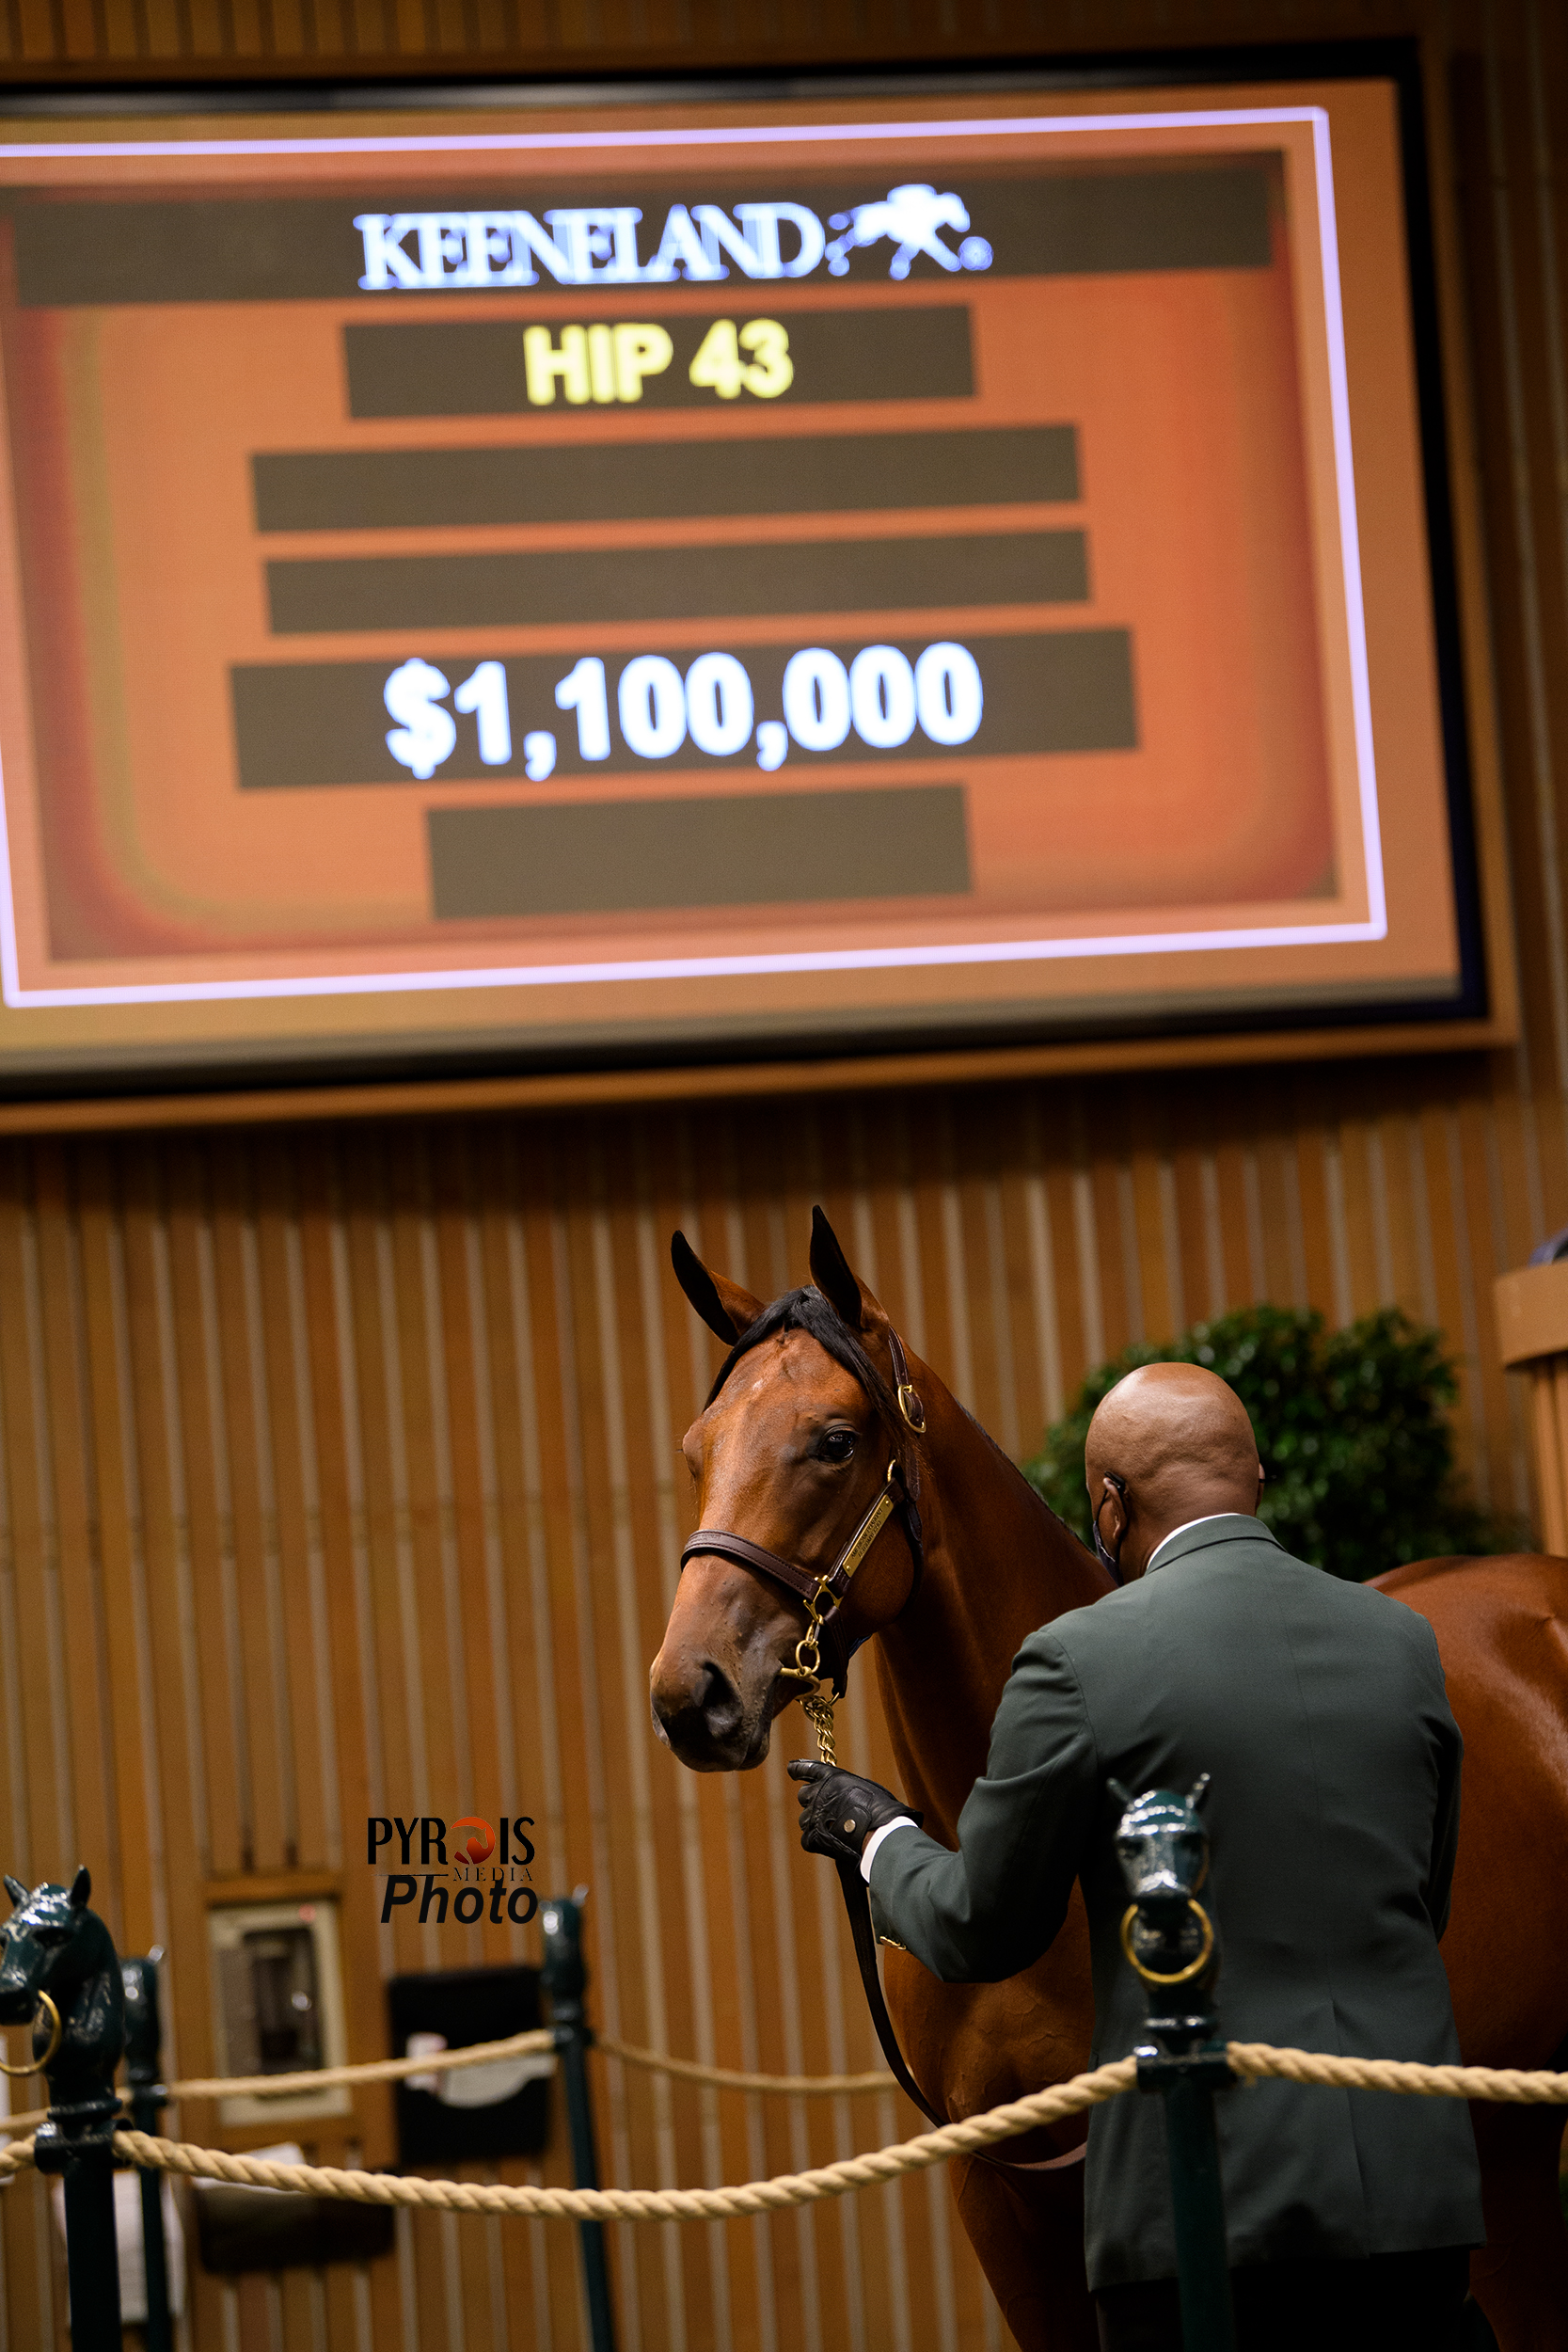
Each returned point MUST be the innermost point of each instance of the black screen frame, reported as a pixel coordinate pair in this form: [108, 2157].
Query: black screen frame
[433, 86]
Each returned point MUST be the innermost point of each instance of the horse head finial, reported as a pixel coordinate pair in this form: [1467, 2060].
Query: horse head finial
[59, 1972]
[59, 1956]
[1162, 1847]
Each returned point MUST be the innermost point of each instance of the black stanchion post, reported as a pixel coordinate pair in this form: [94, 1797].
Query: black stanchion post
[143, 2069]
[1170, 1940]
[566, 1979]
[60, 1962]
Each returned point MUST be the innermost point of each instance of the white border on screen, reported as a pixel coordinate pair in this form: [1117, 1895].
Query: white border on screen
[824, 960]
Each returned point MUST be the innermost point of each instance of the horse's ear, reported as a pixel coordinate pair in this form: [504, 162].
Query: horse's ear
[725, 1307]
[15, 1889]
[81, 1887]
[1197, 1795]
[832, 1273]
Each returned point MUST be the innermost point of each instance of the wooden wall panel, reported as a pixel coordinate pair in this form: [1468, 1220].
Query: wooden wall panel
[338, 1470]
[423, 1432]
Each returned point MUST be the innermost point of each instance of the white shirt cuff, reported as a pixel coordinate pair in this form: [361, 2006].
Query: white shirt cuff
[868, 1851]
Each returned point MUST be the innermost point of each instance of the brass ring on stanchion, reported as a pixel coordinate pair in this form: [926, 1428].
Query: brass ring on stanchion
[55, 2031]
[1180, 1975]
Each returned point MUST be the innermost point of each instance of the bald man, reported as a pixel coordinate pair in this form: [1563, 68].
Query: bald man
[1318, 1708]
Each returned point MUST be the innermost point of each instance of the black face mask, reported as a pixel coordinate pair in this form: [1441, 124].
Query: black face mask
[1111, 1561]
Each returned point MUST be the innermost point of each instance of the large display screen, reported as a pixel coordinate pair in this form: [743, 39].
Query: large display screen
[755, 575]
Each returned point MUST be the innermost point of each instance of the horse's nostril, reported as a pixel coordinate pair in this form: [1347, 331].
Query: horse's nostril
[701, 1715]
[718, 1701]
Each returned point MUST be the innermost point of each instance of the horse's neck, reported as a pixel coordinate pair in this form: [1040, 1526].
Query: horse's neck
[998, 1565]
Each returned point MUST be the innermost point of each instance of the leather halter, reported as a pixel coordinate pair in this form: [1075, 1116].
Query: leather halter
[826, 1637]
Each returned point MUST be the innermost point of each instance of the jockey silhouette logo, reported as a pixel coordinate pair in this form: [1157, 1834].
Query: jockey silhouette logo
[913, 218]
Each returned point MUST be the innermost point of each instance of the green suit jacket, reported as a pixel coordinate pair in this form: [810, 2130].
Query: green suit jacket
[1319, 1707]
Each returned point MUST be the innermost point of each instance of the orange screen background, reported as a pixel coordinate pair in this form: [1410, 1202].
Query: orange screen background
[135, 579]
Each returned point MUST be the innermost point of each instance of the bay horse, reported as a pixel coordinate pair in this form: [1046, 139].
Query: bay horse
[791, 1449]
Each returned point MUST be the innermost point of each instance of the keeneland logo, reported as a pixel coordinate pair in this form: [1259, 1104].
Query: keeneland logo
[420, 251]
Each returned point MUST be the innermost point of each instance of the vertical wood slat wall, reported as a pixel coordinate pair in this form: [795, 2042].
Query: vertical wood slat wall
[337, 1468]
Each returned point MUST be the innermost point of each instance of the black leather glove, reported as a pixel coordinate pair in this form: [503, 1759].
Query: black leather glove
[839, 1810]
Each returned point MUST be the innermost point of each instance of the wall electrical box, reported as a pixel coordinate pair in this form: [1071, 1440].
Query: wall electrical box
[277, 2007]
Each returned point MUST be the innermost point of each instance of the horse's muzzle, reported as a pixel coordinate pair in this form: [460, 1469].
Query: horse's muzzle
[700, 1716]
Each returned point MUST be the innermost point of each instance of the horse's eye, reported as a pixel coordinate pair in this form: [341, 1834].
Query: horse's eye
[838, 1445]
[50, 1937]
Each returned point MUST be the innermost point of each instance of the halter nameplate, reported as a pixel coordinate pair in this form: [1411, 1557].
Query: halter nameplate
[865, 1534]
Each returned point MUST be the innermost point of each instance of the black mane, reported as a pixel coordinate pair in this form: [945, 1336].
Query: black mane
[808, 1311]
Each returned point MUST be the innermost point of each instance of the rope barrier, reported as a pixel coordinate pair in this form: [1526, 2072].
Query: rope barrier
[494, 2054]
[1253, 2061]
[372, 2071]
[644, 2205]
[1257, 2061]
[725, 2078]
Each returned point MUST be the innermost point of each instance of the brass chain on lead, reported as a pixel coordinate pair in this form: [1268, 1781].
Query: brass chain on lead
[818, 1712]
[808, 1651]
[817, 1703]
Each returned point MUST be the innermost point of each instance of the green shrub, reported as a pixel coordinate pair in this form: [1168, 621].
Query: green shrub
[1351, 1426]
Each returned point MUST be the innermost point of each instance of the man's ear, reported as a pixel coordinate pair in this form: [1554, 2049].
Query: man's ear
[832, 1273]
[1113, 1505]
[725, 1307]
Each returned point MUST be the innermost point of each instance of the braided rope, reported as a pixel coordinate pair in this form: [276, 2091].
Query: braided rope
[373, 2071]
[497, 2052]
[494, 2054]
[1257, 2061]
[1254, 2062]
[725, 2078]
[644, 2205]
